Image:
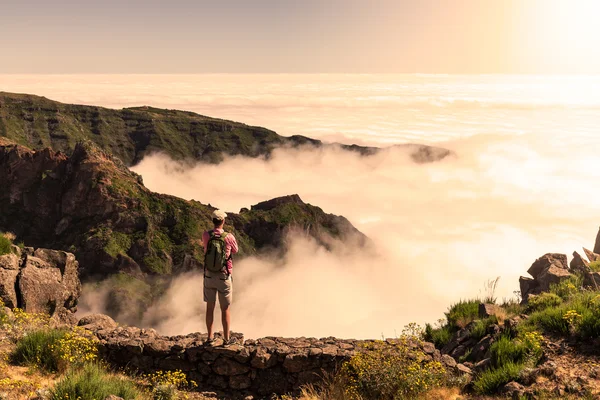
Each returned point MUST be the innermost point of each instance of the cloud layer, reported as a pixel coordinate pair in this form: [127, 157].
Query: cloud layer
[441, 231]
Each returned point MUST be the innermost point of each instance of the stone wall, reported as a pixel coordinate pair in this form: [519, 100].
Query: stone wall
[252, 368]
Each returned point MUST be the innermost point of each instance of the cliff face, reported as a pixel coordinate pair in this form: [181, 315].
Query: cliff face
[132, 133]
[89, 203]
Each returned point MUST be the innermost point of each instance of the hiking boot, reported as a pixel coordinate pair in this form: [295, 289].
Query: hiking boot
[209, 341]
[232, 340]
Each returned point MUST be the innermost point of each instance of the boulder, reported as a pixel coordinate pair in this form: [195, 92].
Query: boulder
[597, 244]
[487, 310]
[578, 264]
[552, 275]
[458, 338]
[592, 280]
[528, 287]
[9, 270]
[42, 288]
[547, 260]
[41, 280]
[481, 348]
[448, 361]
[513, 389]
[591, 255]
[97, 322]
[463, 369]
[10, 261]
[483, 365]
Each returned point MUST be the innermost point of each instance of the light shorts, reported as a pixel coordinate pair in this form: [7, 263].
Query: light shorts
[221, 285]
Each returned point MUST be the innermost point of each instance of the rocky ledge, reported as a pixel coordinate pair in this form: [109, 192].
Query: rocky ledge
[256, 368]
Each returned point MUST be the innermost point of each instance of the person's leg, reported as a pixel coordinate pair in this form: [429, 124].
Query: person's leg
[210, 316]
[210, 297]
[225, 298]
[226, 320]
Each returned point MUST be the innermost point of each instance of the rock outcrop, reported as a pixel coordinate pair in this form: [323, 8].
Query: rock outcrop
[597, 244]
[40, 281]
[551, 268]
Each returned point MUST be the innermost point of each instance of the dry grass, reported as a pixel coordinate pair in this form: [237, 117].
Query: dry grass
[443, 393]
[10, 236]
[310, 392]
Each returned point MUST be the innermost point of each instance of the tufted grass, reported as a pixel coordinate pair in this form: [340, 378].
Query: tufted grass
[493, 379]
[509, 357]
[543, 301]
[462, 313]
[37, 349]
[4, 245]
[92, 381]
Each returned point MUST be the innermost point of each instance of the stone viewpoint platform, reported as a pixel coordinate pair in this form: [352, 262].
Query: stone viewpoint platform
[261, 367]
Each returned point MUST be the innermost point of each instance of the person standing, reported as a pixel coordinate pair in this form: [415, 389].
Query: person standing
[219, 247]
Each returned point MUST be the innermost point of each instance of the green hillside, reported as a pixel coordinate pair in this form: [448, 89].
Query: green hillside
[132, 133]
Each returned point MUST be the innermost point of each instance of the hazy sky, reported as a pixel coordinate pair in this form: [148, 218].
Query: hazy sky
[194, 36]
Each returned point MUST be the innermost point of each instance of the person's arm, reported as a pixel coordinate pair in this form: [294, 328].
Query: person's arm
[233, 243]
[205, 238]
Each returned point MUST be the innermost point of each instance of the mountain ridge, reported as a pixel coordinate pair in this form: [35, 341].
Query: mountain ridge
[131, 133]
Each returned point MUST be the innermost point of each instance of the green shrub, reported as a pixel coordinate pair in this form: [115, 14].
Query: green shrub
[383, 373]
[595, 266]
[53, 350]
[505, 351]
[164, 392]
[491, 380]
[525, 348]
[438, 336]
[552, 319]
[37, 349]
[543, 301]
[549, 320]
[5, 244]
[165, 384]
[568, 287]
[462, 313]
[92, 382]
[118, 243]
[480, 327]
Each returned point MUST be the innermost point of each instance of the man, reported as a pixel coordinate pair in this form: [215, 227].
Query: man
[219, 246]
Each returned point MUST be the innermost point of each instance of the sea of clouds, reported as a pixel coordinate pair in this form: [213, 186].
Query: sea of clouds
[441, 232]
[523, 183]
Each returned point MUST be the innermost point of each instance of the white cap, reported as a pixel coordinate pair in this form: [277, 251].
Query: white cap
[218, 214]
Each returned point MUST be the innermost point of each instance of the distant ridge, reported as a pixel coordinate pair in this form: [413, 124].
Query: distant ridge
[132, 133]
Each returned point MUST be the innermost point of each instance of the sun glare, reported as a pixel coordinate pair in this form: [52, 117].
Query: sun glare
[566, 32]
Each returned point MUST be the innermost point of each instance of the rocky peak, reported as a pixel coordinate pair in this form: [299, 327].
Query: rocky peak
[278, 201]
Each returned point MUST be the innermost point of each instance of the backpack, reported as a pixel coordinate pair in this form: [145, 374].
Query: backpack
[215, 259]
